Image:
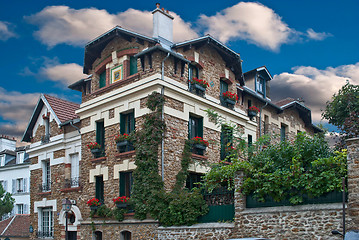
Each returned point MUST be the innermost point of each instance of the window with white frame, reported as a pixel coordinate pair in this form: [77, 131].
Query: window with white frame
[2, 160]
[4, 185]
[20, 208]
[260, 85]
[20, 157]
[46, 176]
[19, 185]
[46, 223]
[75, 170]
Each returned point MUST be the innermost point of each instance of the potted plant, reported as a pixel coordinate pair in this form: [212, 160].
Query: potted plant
[253, 111]
[121, 202]
[121, 140]
[199, 84]
[94, 147]
[93, 203]
[229, 97]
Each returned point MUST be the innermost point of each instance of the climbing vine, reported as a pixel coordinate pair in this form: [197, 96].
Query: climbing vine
[179, 207]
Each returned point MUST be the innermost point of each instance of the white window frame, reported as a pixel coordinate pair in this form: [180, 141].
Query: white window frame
[20, 208]
[46, 173]
[46, 222]
[75, 169]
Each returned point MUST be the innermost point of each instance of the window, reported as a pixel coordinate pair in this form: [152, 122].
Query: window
[250, 140]
[99, 188]
[20, 185]
[127, 125]
[46, 138]
[46, 176]
[223, 88]
[226, 140]
[2, 160]
[133, 65]
[20, 157]
[97, 235]
[183, 64]
[283, 129]
[192, 179]
[125, 235]
[20, 208]
[46, 223]
[4, 185]
[100, 136]
[126, 182]
[75, 169]
[260, 85]
[102, 80]
[193, 72]
[195, 129]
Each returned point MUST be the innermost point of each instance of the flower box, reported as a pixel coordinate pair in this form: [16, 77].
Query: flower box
[252, 113]
[229, 101]
[200, 146]
[121, 144]
[199, 87]
[121, 205]
[95, 151]
[94, 208]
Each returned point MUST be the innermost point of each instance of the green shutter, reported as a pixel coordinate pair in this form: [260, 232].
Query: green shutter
[133, 65]
[102, 81]
[99, 188]
[223, 87]
[122, 184]
[100, 134]
[200, 127]
[122, 123]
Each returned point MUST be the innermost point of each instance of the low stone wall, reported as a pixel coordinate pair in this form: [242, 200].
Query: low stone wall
[304, 222]
[202, 231]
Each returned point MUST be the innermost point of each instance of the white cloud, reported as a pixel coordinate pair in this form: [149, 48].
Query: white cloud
[255, 23]
[16, 109]
[64, 73]
[61, 24]
[316, 86]
[317, 36]
[5, 32]
[249, 21]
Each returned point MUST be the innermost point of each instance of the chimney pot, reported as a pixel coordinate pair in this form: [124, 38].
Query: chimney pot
[158, 5]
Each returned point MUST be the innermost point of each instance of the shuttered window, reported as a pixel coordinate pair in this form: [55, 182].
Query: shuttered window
[126, 182]
[100, 134]
[99, 188]
[102, 81]
[133, 65]
[195, 127]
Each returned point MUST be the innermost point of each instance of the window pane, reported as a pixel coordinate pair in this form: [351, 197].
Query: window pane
[102, 82]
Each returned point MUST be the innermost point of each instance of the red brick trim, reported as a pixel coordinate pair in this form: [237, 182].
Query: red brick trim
[67, 165]
[102, 66]
[75, 189]
[199, 157]
[131, 51]
[100, 159]
[125, 154]
[116, 84]
[199, 64]
[227, 80]
[44, 193]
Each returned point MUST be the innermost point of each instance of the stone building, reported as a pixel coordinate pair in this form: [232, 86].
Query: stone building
[283, 119]
[125, 67]
[55, 154]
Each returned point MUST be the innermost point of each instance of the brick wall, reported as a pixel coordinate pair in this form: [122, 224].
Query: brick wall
[353, 183]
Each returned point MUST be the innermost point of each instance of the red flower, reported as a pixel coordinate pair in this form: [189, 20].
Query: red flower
[122, 199]
[254, 108]
[201, 82]
[231, 96]
[199, 140]
[93, 145]
[93, 202]
[121, 137]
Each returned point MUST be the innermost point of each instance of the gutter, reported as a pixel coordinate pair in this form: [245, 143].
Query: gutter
[71, 122]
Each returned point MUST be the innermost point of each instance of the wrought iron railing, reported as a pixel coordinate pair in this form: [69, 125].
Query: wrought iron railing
[72, 182]
[45, 234]
[45, 187]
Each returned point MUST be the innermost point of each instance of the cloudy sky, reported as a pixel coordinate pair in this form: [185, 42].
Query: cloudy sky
[310, 47]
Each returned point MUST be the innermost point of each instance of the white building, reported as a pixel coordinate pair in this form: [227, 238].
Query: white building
[15, 174]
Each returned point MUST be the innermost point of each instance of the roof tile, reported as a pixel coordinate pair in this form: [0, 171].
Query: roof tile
[63, 109]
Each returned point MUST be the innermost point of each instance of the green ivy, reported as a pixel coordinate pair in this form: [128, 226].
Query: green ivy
[179, 207]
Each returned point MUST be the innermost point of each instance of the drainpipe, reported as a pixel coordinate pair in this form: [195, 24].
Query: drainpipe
[162, 117]
[260, 119]
[72, 124]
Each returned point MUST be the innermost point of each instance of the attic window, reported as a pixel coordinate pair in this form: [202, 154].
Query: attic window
[102, 79]
[260, 85]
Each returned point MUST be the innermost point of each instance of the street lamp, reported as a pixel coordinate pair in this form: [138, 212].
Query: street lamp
[66, 207]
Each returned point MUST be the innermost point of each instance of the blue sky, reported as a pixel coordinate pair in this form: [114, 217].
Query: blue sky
[310, 47]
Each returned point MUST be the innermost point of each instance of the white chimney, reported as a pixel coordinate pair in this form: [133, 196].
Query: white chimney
[162, 26]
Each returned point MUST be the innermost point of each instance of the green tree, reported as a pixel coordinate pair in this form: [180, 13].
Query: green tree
[6, 201]
[343, 110]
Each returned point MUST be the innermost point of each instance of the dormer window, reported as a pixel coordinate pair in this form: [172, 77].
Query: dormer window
[20, 157]
[2, 160]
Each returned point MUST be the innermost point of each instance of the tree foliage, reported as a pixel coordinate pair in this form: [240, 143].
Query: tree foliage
[343, 110]
[286, 170]
[6, 201]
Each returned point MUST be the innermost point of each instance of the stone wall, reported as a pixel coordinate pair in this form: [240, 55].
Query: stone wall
[205, 231]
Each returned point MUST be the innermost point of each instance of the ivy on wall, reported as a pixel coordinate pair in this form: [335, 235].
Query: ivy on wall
[178, 207]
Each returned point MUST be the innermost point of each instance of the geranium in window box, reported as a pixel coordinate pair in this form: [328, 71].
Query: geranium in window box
[199, 84]
[121, 202]
[229, 97]
[199, 145]
[94, 147]
[253, 111]
[93, 203]
[123, 143]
